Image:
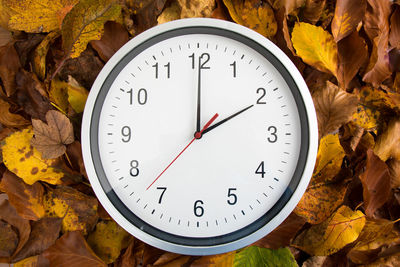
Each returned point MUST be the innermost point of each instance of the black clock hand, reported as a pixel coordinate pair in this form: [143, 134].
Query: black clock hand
[198, 97]
[225, 120]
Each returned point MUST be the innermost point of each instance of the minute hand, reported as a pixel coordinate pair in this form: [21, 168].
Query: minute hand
[225, 120]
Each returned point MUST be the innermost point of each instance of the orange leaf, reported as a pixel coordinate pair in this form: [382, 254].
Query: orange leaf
[347, 16]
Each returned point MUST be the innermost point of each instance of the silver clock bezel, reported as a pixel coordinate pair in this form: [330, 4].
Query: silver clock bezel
[220, 248]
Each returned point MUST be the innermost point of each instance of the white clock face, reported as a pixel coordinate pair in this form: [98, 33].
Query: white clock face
[236, 173]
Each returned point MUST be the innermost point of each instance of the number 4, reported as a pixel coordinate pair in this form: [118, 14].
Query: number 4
[260, 169]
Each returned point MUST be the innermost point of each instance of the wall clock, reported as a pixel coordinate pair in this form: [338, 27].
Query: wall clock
[199, 136]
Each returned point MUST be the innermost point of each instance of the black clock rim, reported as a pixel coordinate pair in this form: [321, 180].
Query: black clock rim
[199, 241]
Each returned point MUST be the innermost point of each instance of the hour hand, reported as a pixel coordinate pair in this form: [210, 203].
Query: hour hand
[226, 119]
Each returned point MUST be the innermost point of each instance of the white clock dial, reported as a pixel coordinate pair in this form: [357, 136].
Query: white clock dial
[199, 137]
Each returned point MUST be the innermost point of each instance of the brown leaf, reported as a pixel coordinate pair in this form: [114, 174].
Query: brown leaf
[72, 250]
[387, 143]
[50, 139]
[390, 261]
[347, 16]
[44, 233]
[27, 199]
[9, 215]
[288, 5]
[352, 54]
[25, 45]
[394, 170]
[10, 119]
[5, 36]
[376, 25]
[8, 240]
[31, 95]
[113, 38]
[139, 253]
[34, 261]
[9, 66]
[146, 13]
[334, 108]
[313, 10]
[220, 12]
[394, 36]
[222, 260]
[283, 234]
[376, 183]
[74, 151]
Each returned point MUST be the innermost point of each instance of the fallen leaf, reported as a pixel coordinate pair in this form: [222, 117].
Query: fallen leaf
[376, 25]
[352, 54]
[25, 44]
[40, 54]
[196, 8]
[366, 117]
[394, 35]
[313, 10]
[115, 36]
[288, 5]
[220, 260]
[74, 151]
[146, 13]
[282, 235]
[44, 233]
[334, 108]
[77, 95]
[255, 256]
[323, 196]
[107, 240]
[387, 143]
[31, 95]
[350, 136]
[38, 15]
[315, 46]
[5, 14]
[72, 250]
[394, 170]
[139, 253]
[79, 211]
[220, 11]
[9, 215]
[254, 14]
[10, 119]
[8, 240]
[26, 161]
[5, 36]
[376, 183]
[58, 94]
[27, 199]
[50, 139]
[342, 228]
[9, 66]
[170, 13]
[34, 261]
[390, 261]
[85, 22]
[377, 99]
[348, 14]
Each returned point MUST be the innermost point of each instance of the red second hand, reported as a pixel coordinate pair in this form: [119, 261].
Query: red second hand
[197, 136]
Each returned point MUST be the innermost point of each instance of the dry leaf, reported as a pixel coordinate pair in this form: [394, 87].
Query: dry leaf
[334, 108]
[342, 228]
[77, 95]
[313, 10]
[40, 54]
[8, 240]
[26, 161]
[59, 94]
[108, 240]
[394, 170]
[85, 22]
[34, 261]
[72, 250]
[315, 46]
[5, 36]
[220, 260]
[170, 13]
[50, 139]
[79, 211]
[38, 15]
[255, 14]
[10, 119]
[146, 13]
[394, 36]
[347, 16]
[44, 233]
[9, 66]
[390, 261]
[115, 36]
[387, 143]
[366, 117]
[376, 183]
[196, 8]
[352, 54]
[27, 199]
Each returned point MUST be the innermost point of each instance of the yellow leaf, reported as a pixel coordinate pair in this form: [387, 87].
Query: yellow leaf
[85, 23]
[26, 162]
[28, 262]
[108, 240]
[387, 143]
[342, 228]
[170, 13]
[255, 14]
[315, 46]
[220, 260]
[38, 15]
[329, 157]
[79, 211]
[39, 60]
[366, 117]
[59, 94]
[77, 95]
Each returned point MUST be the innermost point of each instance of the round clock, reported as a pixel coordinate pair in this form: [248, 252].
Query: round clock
[199, 136]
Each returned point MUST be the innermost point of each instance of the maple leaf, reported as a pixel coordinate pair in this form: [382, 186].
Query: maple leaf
[50, 139]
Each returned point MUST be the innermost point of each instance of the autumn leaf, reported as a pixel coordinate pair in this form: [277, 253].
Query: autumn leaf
[313, 9]
[220, 260]
[254, 14]
[392, 260]
[85, 22]
[9, 66]
[334, 108]
[59, 94]
[394, 36]
[8, 240]
[38, 15]
[50, 139]
[26, 161]
[10, 119]
[79, 211]
[257, 257]
[34, 261]
[342, 228]
[366, 117]
[347, 16]
[107, 240]
[5, 36]
[196, 8]
[387, 143]
[146, 12]
[77, 95]
[315, 46]
[27, 199]
[72, 250]
[40, 54]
